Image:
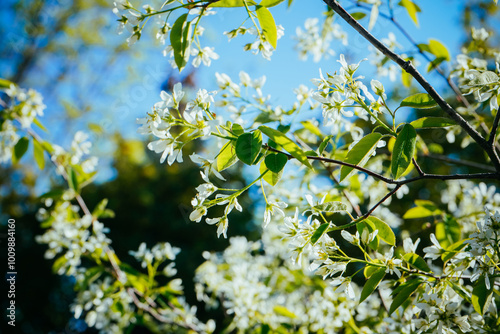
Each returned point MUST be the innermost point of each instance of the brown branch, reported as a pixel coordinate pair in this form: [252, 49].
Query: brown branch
[410, 69]
[494, 128]
[477, 176]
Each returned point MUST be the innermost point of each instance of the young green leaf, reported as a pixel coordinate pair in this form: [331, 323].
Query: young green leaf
[312, 128]
[72, 179]
[270, 3]
[419, 101]
[38, 154]
[283, 311]
[231, 3]
[330, 207]
[319, 232]
[483, 79]
[19, 149]
[403, 150]
[411, 8]
[438, 49]
[448, 231]
[5, 83]
[358, 15]
[270, 177]
[360, 153]
[248, 146]
[384, 231]
[481, 295]
[180, 39]
[416, 262]
[237, 129]
[268, 25]
[371, 284]
[407, 289]
[324, 143]
[276, 162]
[406, 78]
[227, 156]
[432, 122]
[287, 144]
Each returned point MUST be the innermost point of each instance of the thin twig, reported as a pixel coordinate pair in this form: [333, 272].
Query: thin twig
[458, 161]
[494, 128]
[477, 176]
[355, 207]
[392, 192]
[410, 69]
[419, 170]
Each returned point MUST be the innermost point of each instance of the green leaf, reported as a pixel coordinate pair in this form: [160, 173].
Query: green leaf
[406, 78]
[96, 128]
[358, 15]
[72, 179]
[411, 8]
[419, 101]
[270, 177]
[453, 250]
[407, 289]
[20, 149]
[268, 25]
[39, 124]
[360, 153]
[435, 63]
[100, 208]
[330, 207]
[438, 49]
[276, 162]
[38, 154]
[270, 3]
[369, 270]
[283, 311]
[417, 262]
[361, 226]
[384, 231]
[319, 233]
[237, 129]
[371, 284]
[227, 156]
[448, 231]
[180, 39]
[231, 3]
[403, 150]
[324, 144]
[432, 122]
[419, 212]
[287, 144]
[481, 295]
[312, 128]
[248, 146]
[483, 79]
[5, 83]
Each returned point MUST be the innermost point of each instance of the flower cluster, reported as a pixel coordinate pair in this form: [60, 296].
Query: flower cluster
[315, 41]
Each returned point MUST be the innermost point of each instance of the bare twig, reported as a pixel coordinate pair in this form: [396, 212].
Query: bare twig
[419, 170]
[458, 161]
[494, 128]
[410, 69]
[477, 176]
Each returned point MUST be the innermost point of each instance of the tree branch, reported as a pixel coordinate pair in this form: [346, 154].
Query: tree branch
[410, 69]
[423, 176]
[494, 128]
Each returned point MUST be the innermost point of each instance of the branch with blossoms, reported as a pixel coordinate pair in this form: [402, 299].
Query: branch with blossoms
[74, 239]
[341, 142]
